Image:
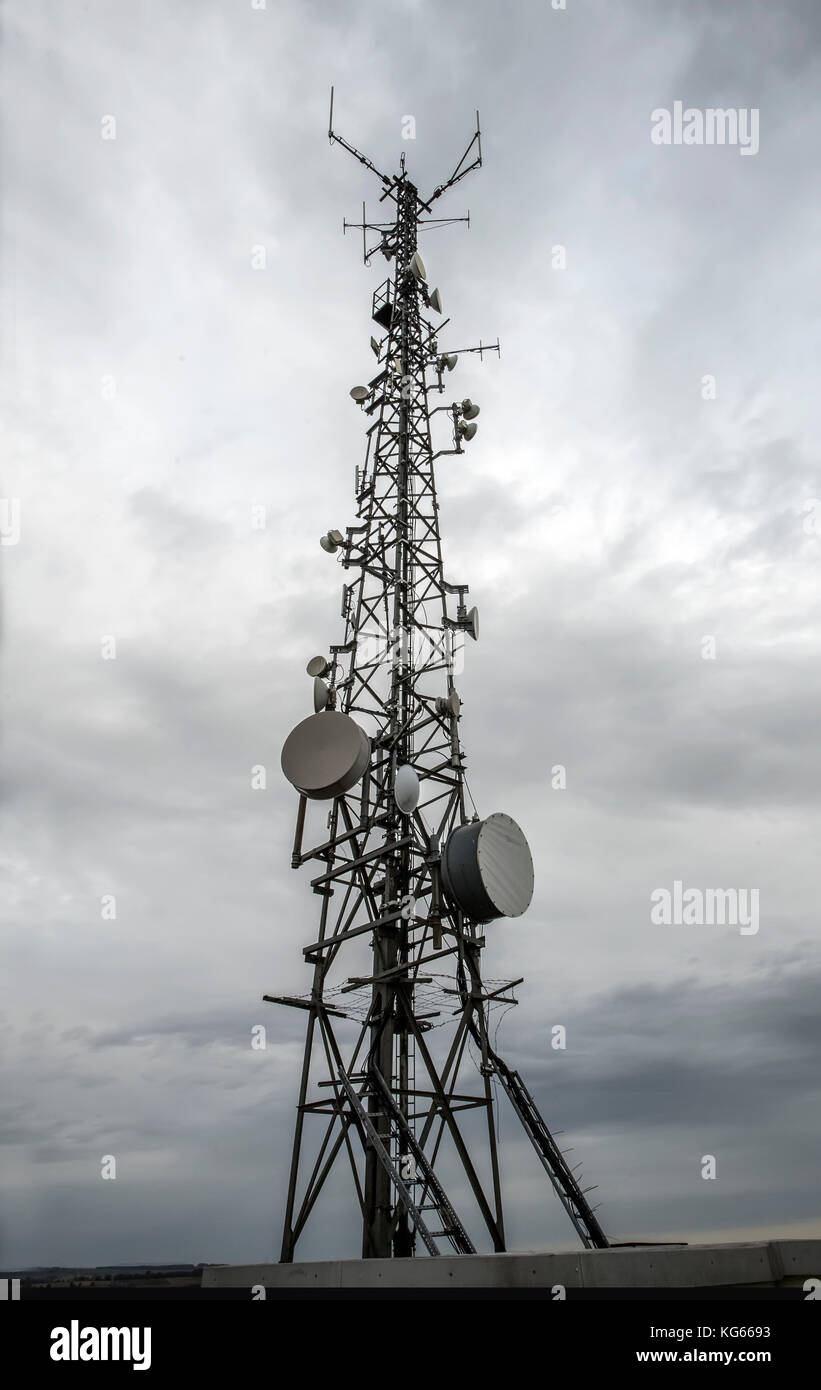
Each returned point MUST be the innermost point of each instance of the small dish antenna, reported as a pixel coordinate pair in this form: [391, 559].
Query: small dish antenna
[449, 360]
[318, 666]
[469, 410]
[321, 694]
[449, 704]
[472, 624]
[406, 789]
[375, 347]
[359, 394]
[467, 431]
[416, 267]
[331, 541]
[435, 301]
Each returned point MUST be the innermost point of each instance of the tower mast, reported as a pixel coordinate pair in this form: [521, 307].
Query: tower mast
[404, 872]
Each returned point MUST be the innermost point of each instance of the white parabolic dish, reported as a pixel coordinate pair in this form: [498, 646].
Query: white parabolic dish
[325, 755]
[406, 789]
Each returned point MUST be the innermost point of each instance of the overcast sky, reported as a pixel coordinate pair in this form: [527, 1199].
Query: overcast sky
[608, 517]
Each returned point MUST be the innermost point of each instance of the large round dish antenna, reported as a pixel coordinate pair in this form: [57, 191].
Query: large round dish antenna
[325, 755]
[487, 868]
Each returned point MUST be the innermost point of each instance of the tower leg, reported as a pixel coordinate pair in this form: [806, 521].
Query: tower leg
[376, 1233]
[288, 1242]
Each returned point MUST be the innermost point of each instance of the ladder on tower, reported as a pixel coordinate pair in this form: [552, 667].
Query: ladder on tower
[439, 1203]
[552, 1159]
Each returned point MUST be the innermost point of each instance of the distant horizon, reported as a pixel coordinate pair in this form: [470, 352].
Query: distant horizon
[560, 1248]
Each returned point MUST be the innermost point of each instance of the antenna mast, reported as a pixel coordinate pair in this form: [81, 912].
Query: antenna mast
[406, 879]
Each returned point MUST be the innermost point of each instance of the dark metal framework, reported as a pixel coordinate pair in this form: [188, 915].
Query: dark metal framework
[389, 1092]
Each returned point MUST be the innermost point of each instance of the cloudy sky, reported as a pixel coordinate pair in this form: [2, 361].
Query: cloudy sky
[613, 514]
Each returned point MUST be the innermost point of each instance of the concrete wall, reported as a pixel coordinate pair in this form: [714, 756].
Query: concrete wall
[696, 1266]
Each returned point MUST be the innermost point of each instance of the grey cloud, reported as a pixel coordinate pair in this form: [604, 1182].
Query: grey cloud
[605, 517]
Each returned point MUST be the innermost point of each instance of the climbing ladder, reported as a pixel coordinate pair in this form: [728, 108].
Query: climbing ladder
[439, 1203]
[552, 1159]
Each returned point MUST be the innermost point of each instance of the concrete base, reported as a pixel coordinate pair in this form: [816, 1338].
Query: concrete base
[762, 1263]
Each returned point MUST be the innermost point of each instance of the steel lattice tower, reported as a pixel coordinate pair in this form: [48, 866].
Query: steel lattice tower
[385, 1097]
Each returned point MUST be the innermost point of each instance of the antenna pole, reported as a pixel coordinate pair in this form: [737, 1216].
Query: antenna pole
[363, 159]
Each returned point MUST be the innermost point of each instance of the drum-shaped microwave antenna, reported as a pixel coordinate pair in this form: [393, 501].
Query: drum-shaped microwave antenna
[318, 666]
[449, 704]
[359, 394]
[325, 755]
[487, 868]
[406, 789]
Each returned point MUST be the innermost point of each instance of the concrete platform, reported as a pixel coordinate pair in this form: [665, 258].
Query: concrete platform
[759, 1263]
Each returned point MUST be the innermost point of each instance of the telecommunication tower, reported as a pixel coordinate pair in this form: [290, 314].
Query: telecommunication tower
[407, 879]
